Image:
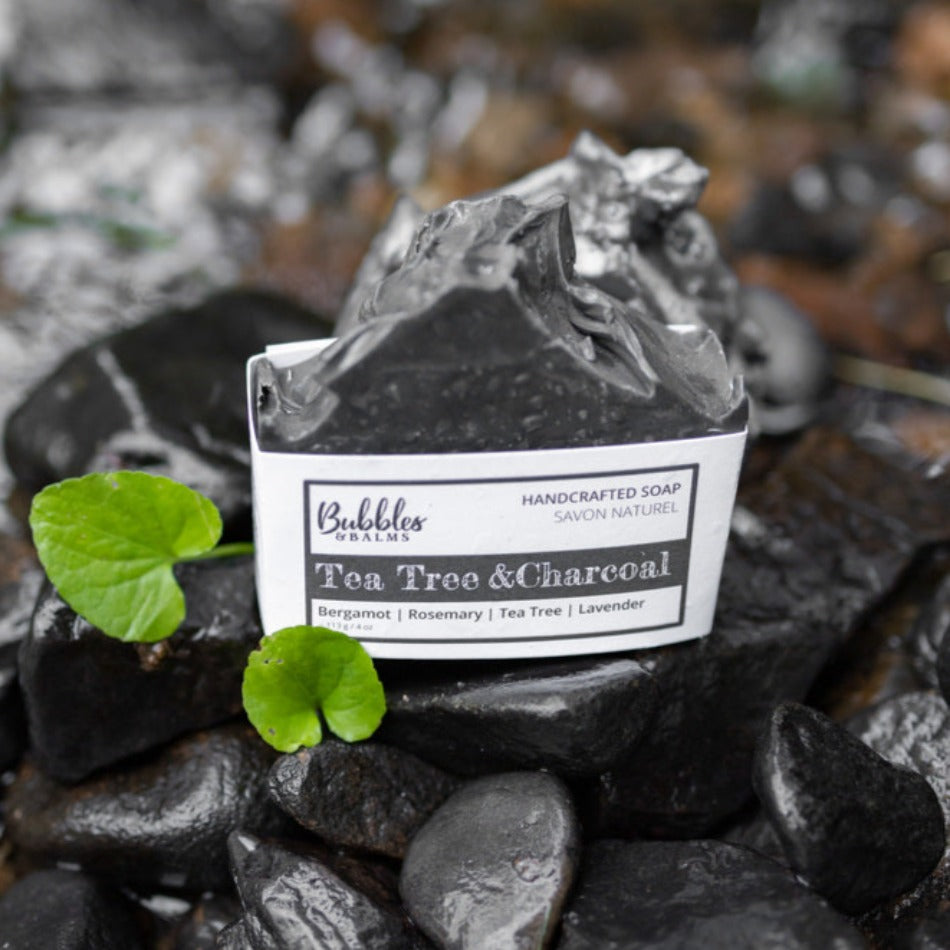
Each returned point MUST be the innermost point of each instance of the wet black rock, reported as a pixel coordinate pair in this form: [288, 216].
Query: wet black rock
[912, 731]
[493, 866]
[814, 546]
[162, 823]
[167, 396]
[369, 796]
[508, 349]
[93, 700]
[786, 365]
[292, 900]
[856, 828]
[66, 911]
[676, 895]
[574, 717]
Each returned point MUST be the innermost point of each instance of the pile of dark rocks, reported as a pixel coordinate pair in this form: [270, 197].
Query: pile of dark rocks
[670, 797]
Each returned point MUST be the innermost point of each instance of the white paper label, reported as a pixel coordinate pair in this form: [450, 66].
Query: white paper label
[497, 554]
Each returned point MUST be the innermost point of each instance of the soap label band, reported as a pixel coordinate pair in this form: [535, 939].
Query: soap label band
[495, 555]
[445, 563]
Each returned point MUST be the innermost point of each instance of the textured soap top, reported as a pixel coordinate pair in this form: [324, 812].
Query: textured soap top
[486, 337]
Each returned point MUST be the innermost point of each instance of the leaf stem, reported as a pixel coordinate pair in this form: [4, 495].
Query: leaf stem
[234, 549]
[895, 379]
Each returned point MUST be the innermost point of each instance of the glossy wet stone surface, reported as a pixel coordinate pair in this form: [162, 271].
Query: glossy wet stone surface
[291, 900]
[167, 396]
[815, 544]
[912, 731]
[572, 717]
[856, 828]
[66, 910]
[691, 894]
[367, 796]
[93, 700]
[161, 823]
[493, 865]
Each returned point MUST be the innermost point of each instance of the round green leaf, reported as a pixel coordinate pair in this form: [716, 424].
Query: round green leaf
[108, 543]
[299, 673]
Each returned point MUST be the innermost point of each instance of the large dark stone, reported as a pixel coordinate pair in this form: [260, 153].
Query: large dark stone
[167, 396]
[787, 366]
[680, 895]
[856, 828]
[366, 796]
[912, 731]
[66, 911]
[485, 339]
[162, 823]
[93, 700]
[493, 865]
[571, 717]
[292, 900]
[814, 546]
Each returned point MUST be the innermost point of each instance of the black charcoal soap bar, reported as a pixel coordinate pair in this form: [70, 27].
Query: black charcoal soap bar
[487, 339]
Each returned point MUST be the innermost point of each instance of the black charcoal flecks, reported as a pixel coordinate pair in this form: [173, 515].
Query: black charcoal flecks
[668, 895]
[93, 700]
[367, 796]
[484, 339]
[159, 823]
[856, 828]
[494, 864]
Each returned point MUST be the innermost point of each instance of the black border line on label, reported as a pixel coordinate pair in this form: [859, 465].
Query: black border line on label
[695, 466]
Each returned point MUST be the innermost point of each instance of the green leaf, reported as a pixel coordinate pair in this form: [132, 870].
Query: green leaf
[108, 543]
[299, 672]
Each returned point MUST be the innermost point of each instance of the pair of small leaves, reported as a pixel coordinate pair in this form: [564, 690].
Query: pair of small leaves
[109, 542]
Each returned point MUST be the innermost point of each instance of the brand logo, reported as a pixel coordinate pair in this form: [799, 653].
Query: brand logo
[380, 519]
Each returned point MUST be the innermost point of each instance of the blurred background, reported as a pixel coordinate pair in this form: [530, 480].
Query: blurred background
[154, 151]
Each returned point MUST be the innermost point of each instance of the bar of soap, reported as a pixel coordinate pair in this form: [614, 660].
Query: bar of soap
[486, 338]
[636, 228]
